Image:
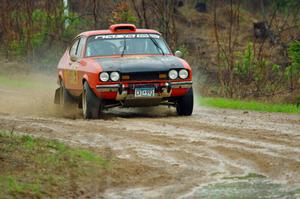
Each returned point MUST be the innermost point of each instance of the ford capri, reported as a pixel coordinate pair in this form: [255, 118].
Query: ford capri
[123, 67]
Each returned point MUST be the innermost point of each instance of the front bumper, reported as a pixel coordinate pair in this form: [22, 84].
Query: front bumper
[125, 92]
[121, 87]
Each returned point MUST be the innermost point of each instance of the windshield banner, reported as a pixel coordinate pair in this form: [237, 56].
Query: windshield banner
[127, 36]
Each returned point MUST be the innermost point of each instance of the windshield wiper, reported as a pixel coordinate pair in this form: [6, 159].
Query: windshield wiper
[124, 48]
[156, 44]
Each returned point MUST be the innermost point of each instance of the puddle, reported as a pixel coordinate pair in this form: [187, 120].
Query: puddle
[254, 188]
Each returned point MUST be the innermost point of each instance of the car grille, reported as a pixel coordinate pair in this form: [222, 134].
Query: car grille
[143, 76]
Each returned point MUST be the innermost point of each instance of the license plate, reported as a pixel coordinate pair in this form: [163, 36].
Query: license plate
[144, 92]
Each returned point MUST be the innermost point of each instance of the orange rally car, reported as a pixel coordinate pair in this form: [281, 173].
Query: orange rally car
[123, 66]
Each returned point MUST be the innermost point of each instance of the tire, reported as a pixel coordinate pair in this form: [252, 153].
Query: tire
[185, 104]
[91, 105]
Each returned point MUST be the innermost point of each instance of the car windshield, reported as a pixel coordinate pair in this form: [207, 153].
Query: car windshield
[126, 44]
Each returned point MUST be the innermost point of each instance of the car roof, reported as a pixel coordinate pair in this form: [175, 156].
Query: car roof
[119, 29]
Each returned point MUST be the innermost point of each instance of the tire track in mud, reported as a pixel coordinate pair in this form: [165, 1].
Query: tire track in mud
[206, 147]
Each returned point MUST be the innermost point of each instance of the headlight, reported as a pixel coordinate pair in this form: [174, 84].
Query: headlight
[183, 74]
[114, 76]
[104, 76]
[173, 74]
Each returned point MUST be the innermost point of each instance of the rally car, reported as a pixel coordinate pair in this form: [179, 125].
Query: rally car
[126, 67]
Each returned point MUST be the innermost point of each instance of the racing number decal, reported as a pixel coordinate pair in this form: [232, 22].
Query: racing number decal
[74, 75]
[71, 76]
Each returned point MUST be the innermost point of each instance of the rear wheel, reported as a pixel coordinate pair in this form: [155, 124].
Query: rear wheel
[91, 105]
[185, 104]
[65, 98]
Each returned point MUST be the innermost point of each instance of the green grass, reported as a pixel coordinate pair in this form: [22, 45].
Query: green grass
[16, 83]
[19, 187]
[248, 105]
[30, 81]
[38, 168]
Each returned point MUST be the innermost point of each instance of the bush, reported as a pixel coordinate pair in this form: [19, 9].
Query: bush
[292, 71]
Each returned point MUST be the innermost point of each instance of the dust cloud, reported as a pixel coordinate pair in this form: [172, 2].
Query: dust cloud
[28, 94]
[33, 94]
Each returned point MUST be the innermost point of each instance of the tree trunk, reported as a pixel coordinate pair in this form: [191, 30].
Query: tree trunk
[145, 14]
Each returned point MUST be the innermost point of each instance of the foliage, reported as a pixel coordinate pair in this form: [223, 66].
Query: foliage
[248, 65]
[292, 72]
[184, 49]
[35, 32]
[245, 61]
[294, 53]
[123, 14]
[287, 6]
[39, 34]
[255, 73]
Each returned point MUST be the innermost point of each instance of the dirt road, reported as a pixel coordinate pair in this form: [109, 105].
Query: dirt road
[213, 153]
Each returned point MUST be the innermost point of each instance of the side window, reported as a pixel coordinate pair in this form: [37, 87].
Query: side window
[74, 47]
[80, 47]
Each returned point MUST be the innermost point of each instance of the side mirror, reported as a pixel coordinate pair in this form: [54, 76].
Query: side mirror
[178, 53]
[73, 58]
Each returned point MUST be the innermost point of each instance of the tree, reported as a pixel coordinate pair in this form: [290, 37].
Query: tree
[293, 71]
[226, 46]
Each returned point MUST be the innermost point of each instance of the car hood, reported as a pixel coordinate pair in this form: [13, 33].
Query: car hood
[140, 63]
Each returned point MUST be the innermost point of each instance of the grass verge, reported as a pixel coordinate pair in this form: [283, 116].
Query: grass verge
[30, 81]
[16, 83]
[248, 105]
[39, 168]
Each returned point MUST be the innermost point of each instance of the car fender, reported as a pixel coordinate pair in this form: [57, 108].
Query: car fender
[85, 77]
[60, 77]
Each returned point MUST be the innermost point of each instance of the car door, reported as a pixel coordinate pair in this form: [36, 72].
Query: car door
[70, 73]
[76, 55]
[76, 62]
[80, 65]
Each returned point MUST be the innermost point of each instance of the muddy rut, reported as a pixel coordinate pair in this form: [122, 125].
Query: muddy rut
[186, 153]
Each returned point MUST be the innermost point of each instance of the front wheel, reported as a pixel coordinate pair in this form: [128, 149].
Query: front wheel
[185, 104]
[91, 104]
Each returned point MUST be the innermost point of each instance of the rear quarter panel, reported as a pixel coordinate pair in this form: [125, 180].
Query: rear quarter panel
[63, 65]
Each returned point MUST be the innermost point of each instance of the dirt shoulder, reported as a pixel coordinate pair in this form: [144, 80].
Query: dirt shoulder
[45, 168]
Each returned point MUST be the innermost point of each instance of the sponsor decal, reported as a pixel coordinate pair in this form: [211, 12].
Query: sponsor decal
[127, 36]
[71, 76]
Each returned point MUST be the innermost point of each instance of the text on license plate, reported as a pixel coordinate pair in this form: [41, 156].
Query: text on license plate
[144, 92]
